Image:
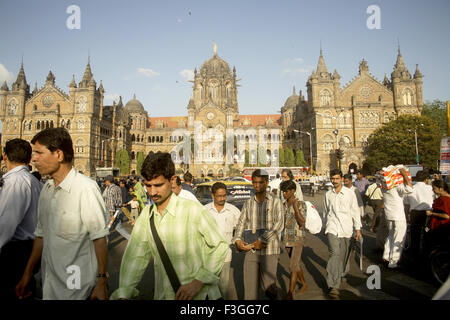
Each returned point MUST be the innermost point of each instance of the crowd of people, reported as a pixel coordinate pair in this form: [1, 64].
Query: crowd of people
[63, 225]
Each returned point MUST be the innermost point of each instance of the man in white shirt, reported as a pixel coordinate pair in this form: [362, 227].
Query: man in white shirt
[275, 184]
[227, 217]
[70, 237]
[177, 188]
[419, 202]
[348, 183]
[342, 216]
[19, 198]
[396, 220]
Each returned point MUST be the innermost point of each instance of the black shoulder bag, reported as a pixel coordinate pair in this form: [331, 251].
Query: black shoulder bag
[164, 257]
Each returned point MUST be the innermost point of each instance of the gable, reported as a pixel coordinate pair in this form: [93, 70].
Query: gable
[47, 99]
[365, 89]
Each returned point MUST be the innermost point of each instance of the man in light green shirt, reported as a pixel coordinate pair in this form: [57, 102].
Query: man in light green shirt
[191, 237]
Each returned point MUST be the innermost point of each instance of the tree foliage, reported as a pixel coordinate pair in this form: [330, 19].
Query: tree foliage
[139, 161]
[394, 143]
[289, 159]
[281, 157]
[437, 110]
[122, 162]
[300, 159]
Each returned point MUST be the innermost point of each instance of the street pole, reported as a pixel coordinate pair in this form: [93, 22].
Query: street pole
[417, 149]
[310, 153]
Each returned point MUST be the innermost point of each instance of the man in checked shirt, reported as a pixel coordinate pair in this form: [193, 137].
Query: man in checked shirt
[262, 213]
[112, 196]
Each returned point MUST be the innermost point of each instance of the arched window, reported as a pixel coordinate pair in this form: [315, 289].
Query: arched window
[62, 123]
[68, 124]
[51, 124]
[132, 155]
[157, 139]
[133, 137]
[47, 125]
[30, 125]
[149, 139]
[161, 139]
[153, 139]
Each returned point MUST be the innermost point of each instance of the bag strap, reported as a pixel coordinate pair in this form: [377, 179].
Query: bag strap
[374, 191]
[174, 281]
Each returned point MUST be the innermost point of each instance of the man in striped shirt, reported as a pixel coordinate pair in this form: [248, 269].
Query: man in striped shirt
[262, 213]
[194, 244]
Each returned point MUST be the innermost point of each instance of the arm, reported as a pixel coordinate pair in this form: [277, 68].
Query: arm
[135, 259]
[35, 257]
[15, 199]
[278, 222]
[406, 179]
[100, 291]
[299, 216]
[356, 217]
[439, 215]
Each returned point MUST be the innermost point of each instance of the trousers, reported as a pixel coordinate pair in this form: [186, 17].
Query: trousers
[224, 279]
[338, 263]
[393, 246]
[259, 271]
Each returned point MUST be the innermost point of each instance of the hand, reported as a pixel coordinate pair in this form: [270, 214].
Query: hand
[242, 245]
[100, 291]
[429, 213]
[189, 291]
[21, 289]
[258, 245]
[358, 235]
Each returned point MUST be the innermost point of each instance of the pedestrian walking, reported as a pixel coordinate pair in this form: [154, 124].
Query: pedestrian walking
[177, 188]
[180, 236]
[342, 217]
[71, 231]
[378, 221]
[226, 216]
[348, 183]
[294, 235]
[19, 196]
[286, 174]
[258, 233]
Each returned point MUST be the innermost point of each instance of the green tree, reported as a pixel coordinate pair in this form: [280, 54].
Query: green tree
[289, 159]
[281, 157]
[139, 161]
[122, 162]
[437, 110]
[394, 143]
[247, 158]
[300, 159]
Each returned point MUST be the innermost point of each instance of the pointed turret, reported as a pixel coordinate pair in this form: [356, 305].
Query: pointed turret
[4, 86]
[363, 67]
[336, 75]
[21, 81]
[417, 74]
[50, 79]
[87, 76]
[35, 90]
[321, 66]
[386, 81]
[400, 70]
[73, 84]
[100, 87]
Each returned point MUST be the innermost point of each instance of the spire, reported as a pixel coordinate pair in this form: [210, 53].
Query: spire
[215, 48]
[134, 96]
[293, 91]
[417, 74]
[336, 75]
[35, 90]
[50, 78]
[4, 86]
[363, 68]
[120, 104]
[100, 88]
[73, 83]
[87, 76]
[21, 80]
[321, 66]
[400, 70]
[386, 81]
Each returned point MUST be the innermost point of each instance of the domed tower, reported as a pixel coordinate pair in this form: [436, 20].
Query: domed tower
[215, 87]
[288, 110]
[138, 124]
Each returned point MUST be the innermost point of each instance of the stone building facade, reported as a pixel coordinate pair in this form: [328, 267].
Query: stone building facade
[335, 116]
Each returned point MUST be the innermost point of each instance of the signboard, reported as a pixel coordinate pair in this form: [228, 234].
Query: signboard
[445, 156]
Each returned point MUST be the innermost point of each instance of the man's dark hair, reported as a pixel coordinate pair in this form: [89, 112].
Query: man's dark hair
[261, 174]
[178, 181]
[348, 176]
[287, 185]
[335, 172]
[278, 175]
[441, 184]
[187, 177]
[421, 176]
[54, 139]
[158, 164]
[289, 173]
[18, 151]
[218, 185]
[360, 172]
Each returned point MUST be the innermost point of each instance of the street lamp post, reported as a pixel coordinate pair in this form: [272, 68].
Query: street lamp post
[310, 147]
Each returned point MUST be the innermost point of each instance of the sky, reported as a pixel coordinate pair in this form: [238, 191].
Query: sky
[150, 48]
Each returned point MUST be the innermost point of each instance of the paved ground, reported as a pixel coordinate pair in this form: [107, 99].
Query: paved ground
[395, 284]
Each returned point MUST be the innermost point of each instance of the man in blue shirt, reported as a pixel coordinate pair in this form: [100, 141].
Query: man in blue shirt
[19, 198]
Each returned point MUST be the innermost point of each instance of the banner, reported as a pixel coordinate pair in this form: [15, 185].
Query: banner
[445, 156]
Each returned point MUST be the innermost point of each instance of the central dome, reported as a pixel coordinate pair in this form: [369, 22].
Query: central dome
[134, 105]
[215, 65]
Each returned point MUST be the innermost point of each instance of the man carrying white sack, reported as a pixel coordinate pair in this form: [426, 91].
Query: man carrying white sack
[395, 216]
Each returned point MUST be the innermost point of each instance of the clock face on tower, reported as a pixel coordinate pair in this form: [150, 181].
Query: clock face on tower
[210, 115]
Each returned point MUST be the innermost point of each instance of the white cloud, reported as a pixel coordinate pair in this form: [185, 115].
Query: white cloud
[147, 72]
[5, 75]
[179, 20]
[112, 97]
[187, 74]
[295, 60]
[296, 71]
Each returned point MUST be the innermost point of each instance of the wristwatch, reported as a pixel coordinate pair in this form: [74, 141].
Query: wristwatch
[103, 275]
